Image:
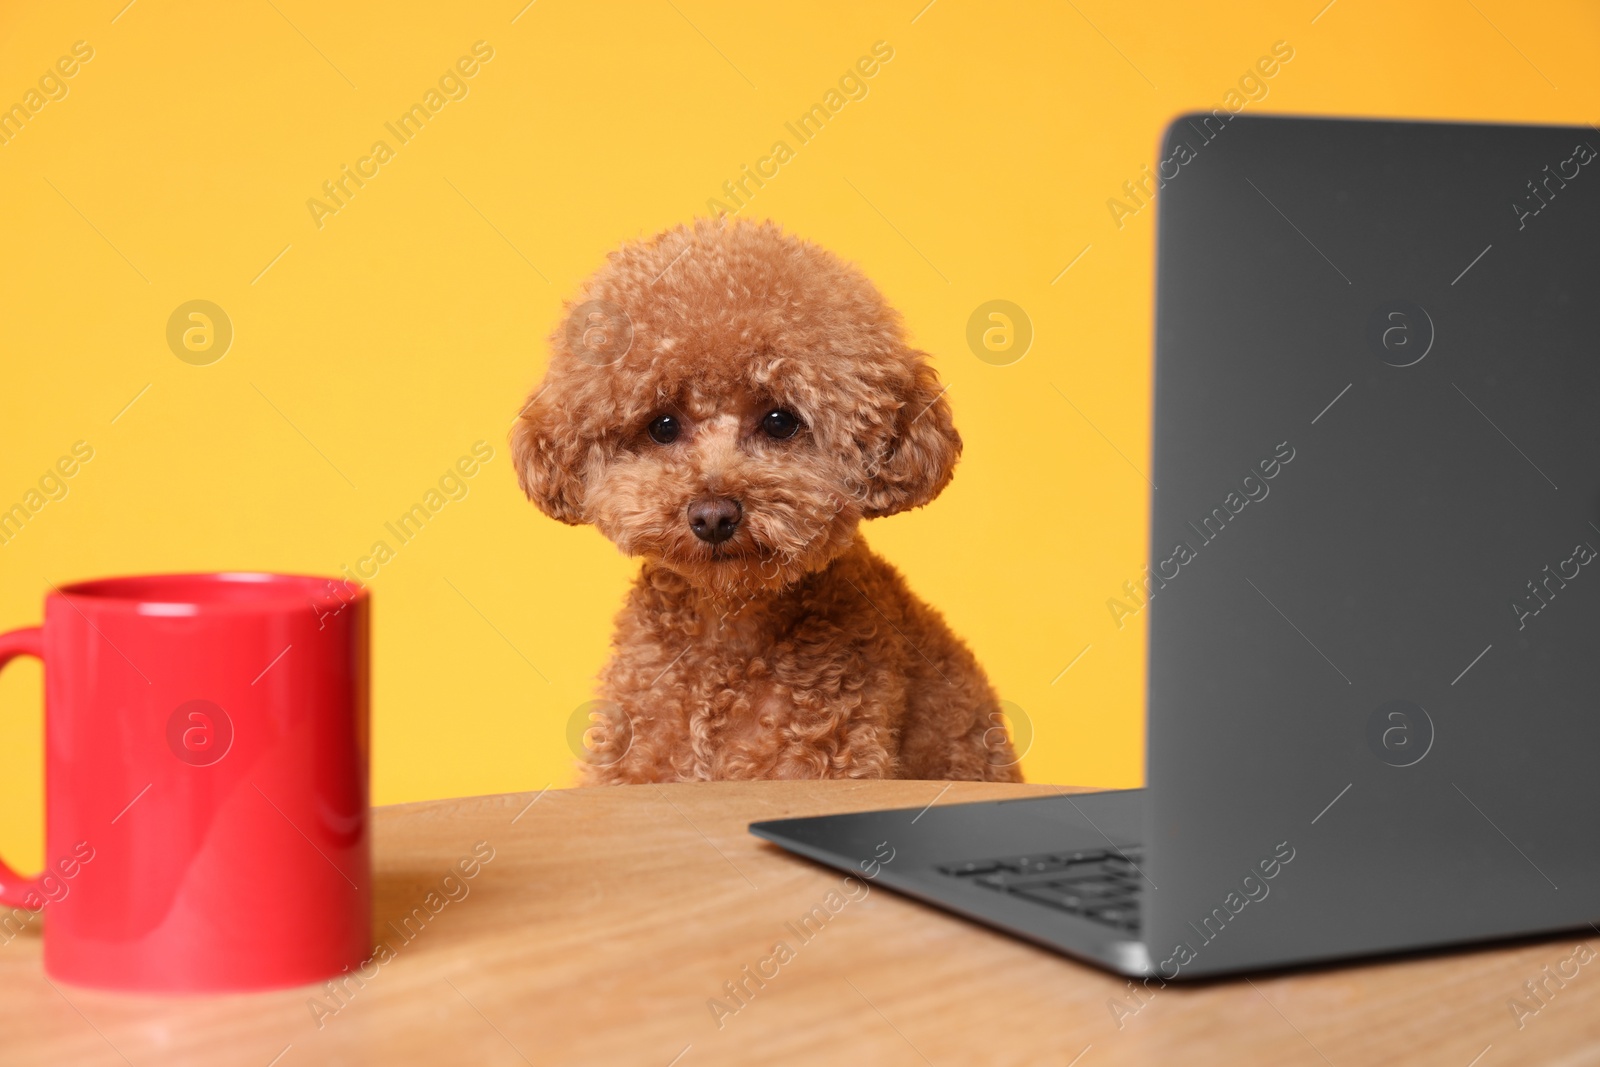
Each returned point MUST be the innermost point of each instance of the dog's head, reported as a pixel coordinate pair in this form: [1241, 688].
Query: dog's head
[730, 402]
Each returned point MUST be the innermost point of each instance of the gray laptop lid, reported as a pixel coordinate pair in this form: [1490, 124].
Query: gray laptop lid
[1375, 622]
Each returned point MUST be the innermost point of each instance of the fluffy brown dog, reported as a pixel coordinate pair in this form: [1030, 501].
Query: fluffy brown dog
[728, 403]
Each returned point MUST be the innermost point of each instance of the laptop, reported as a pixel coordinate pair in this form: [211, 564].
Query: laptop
[1373, 701]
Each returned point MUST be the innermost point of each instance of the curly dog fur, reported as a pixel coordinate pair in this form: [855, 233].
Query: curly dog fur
[724, 376]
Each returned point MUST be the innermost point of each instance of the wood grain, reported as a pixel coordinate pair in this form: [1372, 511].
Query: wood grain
[609, 918]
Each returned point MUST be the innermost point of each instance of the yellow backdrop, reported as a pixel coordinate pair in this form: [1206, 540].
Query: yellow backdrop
[172, 151]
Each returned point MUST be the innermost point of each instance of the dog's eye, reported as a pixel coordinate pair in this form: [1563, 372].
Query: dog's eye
[663, 430]
[779, 424]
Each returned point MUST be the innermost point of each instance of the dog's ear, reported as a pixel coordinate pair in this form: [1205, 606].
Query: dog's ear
[549, 453]
[920, 456]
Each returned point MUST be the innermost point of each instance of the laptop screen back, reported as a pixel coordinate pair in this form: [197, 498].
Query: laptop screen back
[1375, 575]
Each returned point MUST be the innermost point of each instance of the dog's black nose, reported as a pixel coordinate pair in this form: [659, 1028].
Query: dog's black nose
[714, 518]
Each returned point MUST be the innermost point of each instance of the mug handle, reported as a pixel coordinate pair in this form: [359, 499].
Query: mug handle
[16, 890]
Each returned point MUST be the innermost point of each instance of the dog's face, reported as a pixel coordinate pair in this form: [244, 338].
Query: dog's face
[730, 402]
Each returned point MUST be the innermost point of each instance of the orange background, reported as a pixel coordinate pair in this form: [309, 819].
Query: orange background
[372, 352]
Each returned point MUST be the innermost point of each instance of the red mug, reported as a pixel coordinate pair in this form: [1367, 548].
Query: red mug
[206, 765]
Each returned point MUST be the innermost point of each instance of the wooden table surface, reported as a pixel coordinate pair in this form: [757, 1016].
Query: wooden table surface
[609, 919]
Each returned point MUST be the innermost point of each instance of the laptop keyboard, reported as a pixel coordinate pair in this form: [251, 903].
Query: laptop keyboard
[1102, 885]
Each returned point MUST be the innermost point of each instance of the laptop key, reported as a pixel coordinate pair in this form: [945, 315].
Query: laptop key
[971, 867]
[1054, 896]
[1090, 856]
[1104, 890]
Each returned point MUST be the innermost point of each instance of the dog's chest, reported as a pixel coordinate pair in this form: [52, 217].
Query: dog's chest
[752, 707]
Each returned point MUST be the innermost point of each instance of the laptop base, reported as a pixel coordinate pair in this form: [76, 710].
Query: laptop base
[922, 853]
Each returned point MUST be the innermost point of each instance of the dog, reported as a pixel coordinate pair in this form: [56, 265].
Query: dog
[727, 403]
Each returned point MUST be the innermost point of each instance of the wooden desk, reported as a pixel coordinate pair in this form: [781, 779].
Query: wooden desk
[609, 917]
